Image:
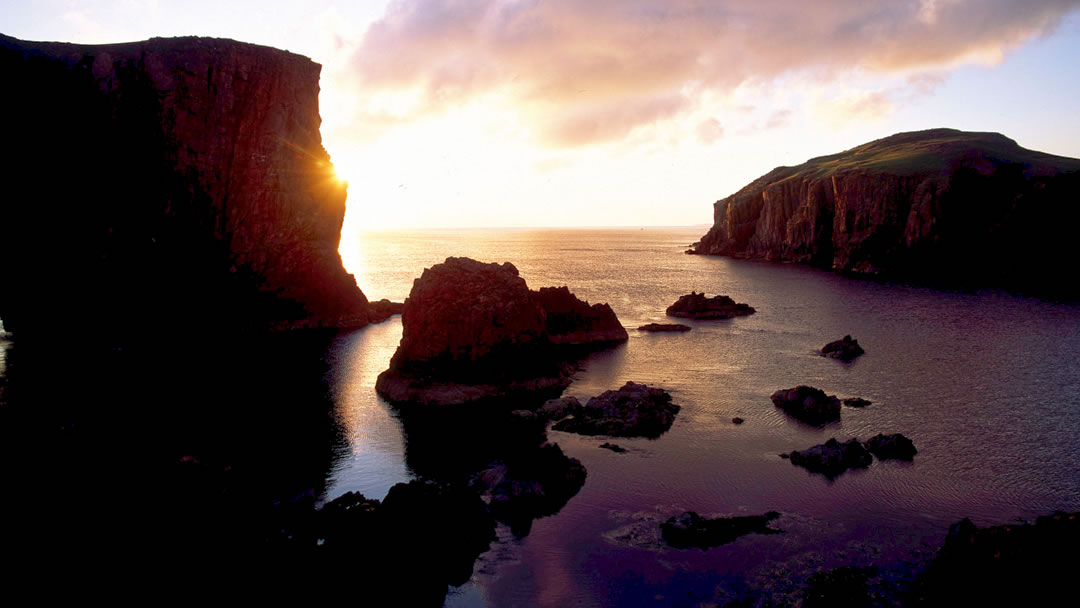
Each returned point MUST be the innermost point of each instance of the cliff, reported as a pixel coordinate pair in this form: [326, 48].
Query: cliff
[938, 205]
[168, 184]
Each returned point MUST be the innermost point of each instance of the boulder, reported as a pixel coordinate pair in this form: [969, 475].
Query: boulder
[832, 458]
[857, 402]
[808, 404]
[844, 349]
[557, 409]
[635, 410]
[697, 306]
[894, 446]
[575, 322]
[692, 530]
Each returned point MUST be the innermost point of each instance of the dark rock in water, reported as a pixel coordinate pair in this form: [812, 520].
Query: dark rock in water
[384, 309]
[941, 206]
[845, 586]
[808, 404]
[473, 331]
[530, 484]
[635, 410]
[894, 446]
[737, 420]
[664, 327]
[557, 409]
[844, 349]
[692, 530]
[195, 194]
[856, 402]
[697, 306]
[571, 321]
[832, 458]
[618, 449]
[1028, 564]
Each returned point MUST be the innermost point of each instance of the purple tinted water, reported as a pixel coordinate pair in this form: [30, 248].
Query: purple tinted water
[987, 385]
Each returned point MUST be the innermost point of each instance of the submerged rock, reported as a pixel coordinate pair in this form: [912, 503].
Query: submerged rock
[614, 447]
[635, 410]
[832, 458]
[664, 327]
[692, 530]
[808, 404]
[697, 306]
[844, 349]
[894, 446]
[856, 402]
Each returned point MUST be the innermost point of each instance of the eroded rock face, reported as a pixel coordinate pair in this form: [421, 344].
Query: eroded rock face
[697, 306]
[575, 322]
[808, 404]
[473, 331]
[174, 183]
[937, 205]
[635, 410]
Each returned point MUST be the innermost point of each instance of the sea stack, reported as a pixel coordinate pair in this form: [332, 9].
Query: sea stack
[942, 206]
[168, 185]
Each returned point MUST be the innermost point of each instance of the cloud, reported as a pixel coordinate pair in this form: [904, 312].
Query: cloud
[861, 106]
[580, 73]
[709, 130]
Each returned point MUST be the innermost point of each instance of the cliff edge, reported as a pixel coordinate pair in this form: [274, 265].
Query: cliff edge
[168, 184]
[932, 206]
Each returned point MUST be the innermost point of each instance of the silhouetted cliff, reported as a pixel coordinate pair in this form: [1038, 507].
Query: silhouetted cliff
[938, 205]
[167, 184]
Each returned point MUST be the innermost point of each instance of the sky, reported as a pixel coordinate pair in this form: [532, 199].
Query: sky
[557, 113]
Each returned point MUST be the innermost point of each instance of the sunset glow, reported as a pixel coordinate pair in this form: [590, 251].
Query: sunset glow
[508, 113]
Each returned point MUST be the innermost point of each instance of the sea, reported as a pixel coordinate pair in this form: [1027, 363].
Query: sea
[986, 384]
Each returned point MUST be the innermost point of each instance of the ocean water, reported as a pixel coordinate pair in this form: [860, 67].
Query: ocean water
[99, 443]
[986, 384]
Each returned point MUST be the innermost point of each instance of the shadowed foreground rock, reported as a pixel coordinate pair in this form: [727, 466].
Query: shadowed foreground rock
[1032, 564]
[844, 349]
[808, 404]
[635, 410]
[832, 458]
[697, 306]
[692, 530]
[473, 331]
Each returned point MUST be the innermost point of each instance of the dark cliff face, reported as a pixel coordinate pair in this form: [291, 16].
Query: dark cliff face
[941, 205]
[171, 183]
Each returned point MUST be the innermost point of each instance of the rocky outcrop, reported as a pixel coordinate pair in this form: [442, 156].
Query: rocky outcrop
[808, 404]
[664, 327]
[844, 349]
[635, 410]
[692, 530]
[168, 185]
[937, 205]
[894, 446]
[473, 331]
[696, 306]
[574, 322]
[832, 458]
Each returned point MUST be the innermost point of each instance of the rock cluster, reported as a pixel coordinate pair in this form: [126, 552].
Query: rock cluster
[833, 457]
[844, 349]
[808, 404]
[696, 306]
[473, 331]
[692, 530]
[635, 410]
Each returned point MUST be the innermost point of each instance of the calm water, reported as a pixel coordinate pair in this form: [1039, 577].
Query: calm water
[987, 385]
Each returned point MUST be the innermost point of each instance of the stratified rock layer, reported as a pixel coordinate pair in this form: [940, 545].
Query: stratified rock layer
[936, 205]
[168, 184]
